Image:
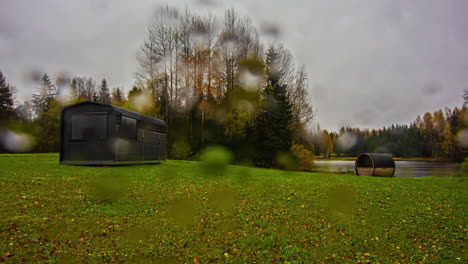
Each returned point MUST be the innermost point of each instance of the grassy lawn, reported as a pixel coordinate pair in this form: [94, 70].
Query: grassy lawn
[177, 212]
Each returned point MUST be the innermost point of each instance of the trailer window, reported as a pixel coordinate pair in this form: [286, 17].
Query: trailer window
[128, 127]
[89, 127]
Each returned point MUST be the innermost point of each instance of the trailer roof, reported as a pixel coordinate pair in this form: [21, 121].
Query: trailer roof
[123, 111]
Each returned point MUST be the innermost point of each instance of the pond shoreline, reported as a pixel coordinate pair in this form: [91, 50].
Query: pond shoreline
[396, 159]
[404, 168]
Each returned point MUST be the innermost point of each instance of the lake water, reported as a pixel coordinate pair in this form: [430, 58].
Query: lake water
[404, 169]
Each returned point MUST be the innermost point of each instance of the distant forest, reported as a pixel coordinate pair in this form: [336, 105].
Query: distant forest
[215, 81]
[441, 135]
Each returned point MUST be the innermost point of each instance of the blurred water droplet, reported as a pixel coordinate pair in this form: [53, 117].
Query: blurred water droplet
[138, 233]
[229, 45]
[181, 150]
[462, 138]
[66, 258]
[243, 175]
[342, 199]
[382, 149]
[99, 5]
[168, 173]
[432, 88]
[63, 79]
[64, 95]
[110, 185]
[227, 225]
[207, 3]
[224, 199]
[182, 211]
[369, 116]
[347, 140]
[249, 80]
[214, 159]
[246, 106]
[167, 13]
[143, 258]
[55, 229]
[270, 30]
[141, 102]
[275, 69]
[286, 161]
[169, 260]
[465, 117]
[200, 39]
[16, 142]
[33, 75]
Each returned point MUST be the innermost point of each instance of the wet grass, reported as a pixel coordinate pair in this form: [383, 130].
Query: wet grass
[179, 212]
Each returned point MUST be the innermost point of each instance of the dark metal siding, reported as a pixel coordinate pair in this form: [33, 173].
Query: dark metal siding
[146, 144]
[85, 150]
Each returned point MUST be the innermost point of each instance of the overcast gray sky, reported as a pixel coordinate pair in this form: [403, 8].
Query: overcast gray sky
[371, 63]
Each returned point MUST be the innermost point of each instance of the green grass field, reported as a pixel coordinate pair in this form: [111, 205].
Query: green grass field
[177, 212]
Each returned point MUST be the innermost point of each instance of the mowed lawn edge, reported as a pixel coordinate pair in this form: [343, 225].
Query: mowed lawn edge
[180, 212]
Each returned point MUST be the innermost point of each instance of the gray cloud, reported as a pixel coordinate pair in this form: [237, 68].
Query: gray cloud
[370, 63]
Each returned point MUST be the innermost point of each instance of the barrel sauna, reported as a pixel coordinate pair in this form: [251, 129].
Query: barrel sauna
[375, 164]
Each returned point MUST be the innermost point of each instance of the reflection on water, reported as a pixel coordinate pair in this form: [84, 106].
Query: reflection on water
[404, 169]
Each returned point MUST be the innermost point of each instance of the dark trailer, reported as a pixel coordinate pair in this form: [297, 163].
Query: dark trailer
[100, 134]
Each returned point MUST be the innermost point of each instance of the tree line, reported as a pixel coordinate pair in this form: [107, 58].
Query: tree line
[215, 82]
[212, 80]
[40, 117]
[438, 135]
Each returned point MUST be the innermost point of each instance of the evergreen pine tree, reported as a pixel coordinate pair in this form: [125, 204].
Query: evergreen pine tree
[45, 94]
[24, 112]
[465, 97]
[103, 93]
[47, 116]
[117, 95]
[274, 122]
[6, 99]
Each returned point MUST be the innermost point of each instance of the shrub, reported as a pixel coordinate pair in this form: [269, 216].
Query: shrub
[305, 158]
[180, 150]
